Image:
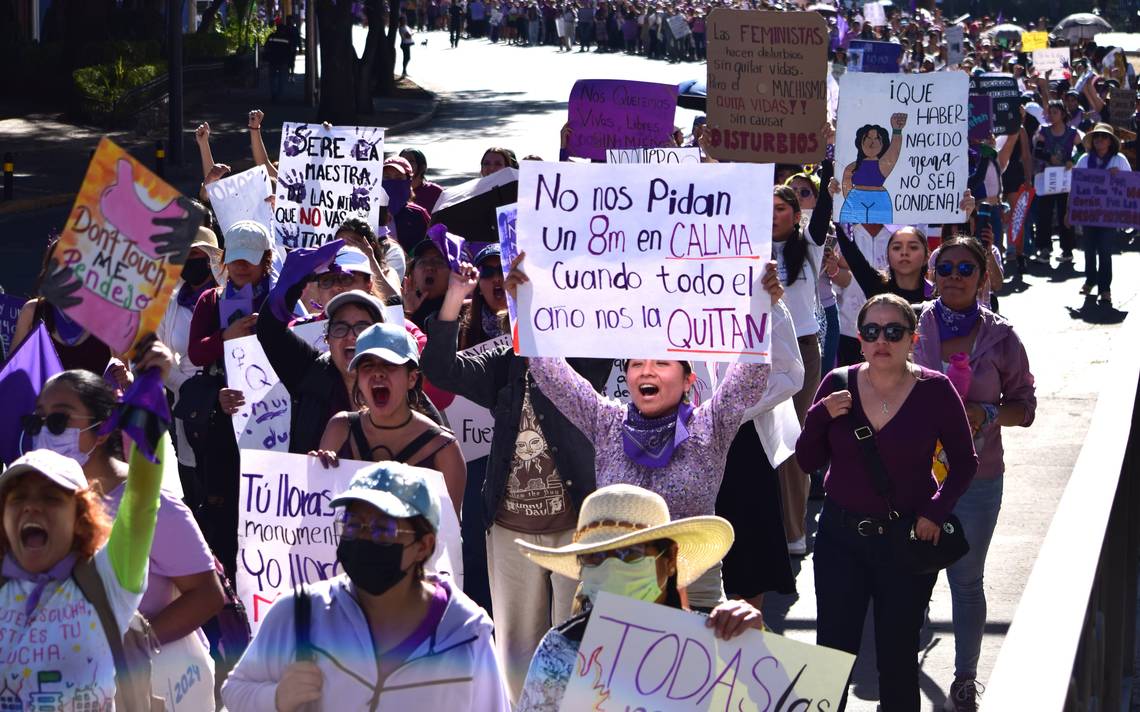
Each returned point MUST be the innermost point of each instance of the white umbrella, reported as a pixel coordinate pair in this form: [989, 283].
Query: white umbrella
[1081, 26]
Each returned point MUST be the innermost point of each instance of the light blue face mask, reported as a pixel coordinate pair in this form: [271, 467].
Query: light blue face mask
[637, 580]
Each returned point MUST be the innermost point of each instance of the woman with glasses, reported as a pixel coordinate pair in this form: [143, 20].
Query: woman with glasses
[182, 588]
[909, 408]
[383, 635]
[482, 317]
[625, 544]
[1000, 393]
[382, 425]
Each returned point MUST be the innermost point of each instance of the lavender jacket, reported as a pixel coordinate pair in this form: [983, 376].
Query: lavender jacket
[1000, 375]
[690, 482]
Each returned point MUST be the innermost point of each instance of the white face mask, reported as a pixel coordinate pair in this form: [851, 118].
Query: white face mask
[66, 443]
[637, 580]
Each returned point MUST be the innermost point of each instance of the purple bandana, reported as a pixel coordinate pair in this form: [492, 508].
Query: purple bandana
[450, 246]
[144, 415]
[12, 570]
[299, 265]
[951, 323]
[650, 442]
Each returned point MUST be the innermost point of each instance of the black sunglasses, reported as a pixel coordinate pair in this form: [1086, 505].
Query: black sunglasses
[806, 193]
[56, 422]
[965, 269]
[894, 332]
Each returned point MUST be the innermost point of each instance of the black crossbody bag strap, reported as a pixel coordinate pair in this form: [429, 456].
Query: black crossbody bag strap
[865, 436]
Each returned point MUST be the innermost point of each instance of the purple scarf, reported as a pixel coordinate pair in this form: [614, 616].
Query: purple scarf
[144, 415]
[650, 442]
[68, 330]
[951, 323]
[12, 570]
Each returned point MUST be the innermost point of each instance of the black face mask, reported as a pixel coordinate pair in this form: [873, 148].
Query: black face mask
[372, 567]
[196, 271]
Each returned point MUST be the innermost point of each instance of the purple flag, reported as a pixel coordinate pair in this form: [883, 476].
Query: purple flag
[450, 246]
[23, 375]
[299, 265]
[842, 30]
[144, 415]
[1000, 18]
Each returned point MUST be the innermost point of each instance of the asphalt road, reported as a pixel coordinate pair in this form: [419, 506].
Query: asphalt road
[516, 97]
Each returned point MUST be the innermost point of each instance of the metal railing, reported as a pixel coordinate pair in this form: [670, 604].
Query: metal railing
[1071, 645]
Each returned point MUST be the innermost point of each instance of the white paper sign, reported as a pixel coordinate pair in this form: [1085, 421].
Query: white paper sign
[653, 155]
[679, 27]
[1053, 180]
[324, 177]
[285, 526]
[910, 167]
[646, 656]
[874, 14]
[244, 196]
[263, 422]
[473, 424]
[629, 261]
[955, 51]
[1055, 58]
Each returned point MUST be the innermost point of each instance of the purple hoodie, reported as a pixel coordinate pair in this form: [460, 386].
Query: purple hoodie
[1000, 375]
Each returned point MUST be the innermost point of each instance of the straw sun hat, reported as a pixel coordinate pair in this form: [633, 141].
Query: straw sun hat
[1104, 130]
[623, 515]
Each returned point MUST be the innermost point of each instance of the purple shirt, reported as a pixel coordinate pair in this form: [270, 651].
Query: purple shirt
[932, 412]
[690, 482]
[868, 174]
[1001, 375]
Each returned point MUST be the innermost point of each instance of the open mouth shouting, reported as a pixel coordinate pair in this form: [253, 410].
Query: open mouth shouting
[33, 537]
[648, 390]
[381, 394]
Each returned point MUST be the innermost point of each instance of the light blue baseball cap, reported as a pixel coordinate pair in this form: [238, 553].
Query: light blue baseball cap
[396, 489]
[388, 342]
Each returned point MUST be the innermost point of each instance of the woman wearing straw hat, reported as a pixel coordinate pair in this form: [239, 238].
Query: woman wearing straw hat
[659, 440]
[1103, 152]
[626, 544]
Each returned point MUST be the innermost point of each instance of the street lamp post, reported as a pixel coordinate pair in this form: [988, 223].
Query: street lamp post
[174, 69]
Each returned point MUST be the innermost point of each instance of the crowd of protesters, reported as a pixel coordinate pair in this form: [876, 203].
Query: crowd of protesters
[683, 505]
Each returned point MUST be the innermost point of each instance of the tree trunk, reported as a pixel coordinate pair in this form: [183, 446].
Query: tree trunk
[209, 16]
[338, 62]
[386, 72]
[366, 65]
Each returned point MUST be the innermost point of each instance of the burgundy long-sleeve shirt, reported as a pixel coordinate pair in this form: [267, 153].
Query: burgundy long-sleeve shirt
[206, 340]
[932, 412]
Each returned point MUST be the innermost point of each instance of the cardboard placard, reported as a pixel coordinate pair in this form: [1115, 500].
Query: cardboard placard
[645, 656]
[1100, 199]
[121, 251]
[644, 261]
[1033, 41]
[612, 113]
[868, 56]
[874, 14]
[1122, 107]
[767, 85]
[285, 526]
[654, 155]
[900, 148]
[324, 177]
[981, 118]
[1052, 58]
[244, 196]
[955, 49]
[508, 251]
[1006, 95]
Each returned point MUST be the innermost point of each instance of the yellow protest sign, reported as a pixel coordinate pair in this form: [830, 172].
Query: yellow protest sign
[1034, 40]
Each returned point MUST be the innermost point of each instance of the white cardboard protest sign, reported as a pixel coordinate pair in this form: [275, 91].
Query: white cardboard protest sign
[646, 656]
[473, 424]
[324, 177]
[1055, 58]
[653, 155]
[955, 50]
[650, 261]
[1053, 180]
[285, 526]
[874, 14]
[263, 422]
[911, 165]
[244, 196]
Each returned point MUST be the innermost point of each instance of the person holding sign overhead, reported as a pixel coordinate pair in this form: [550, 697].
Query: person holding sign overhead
[383, 635]
[865, 199]
[626, 543]
[659, 440]
[1102, 151]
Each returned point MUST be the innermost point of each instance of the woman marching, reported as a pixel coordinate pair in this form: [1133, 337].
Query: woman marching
[904, 410]
[1102, 151]
[659, 440]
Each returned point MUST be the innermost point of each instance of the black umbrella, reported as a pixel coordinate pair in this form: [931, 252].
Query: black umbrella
[468, 209]
[692, 94]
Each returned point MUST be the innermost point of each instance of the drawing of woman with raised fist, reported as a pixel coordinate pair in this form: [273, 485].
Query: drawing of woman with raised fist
[865, 197]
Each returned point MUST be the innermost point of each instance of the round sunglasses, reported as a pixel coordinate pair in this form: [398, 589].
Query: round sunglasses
[965, 269]
[893, 332]
[56, 423]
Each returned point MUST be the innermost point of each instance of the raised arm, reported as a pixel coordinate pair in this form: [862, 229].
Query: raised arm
[870, 279]
[257, 145]
[891, 157]
[202, 138]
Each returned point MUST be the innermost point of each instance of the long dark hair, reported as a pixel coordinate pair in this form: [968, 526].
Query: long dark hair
[795, 247]
[97, 396]
[884, 141]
